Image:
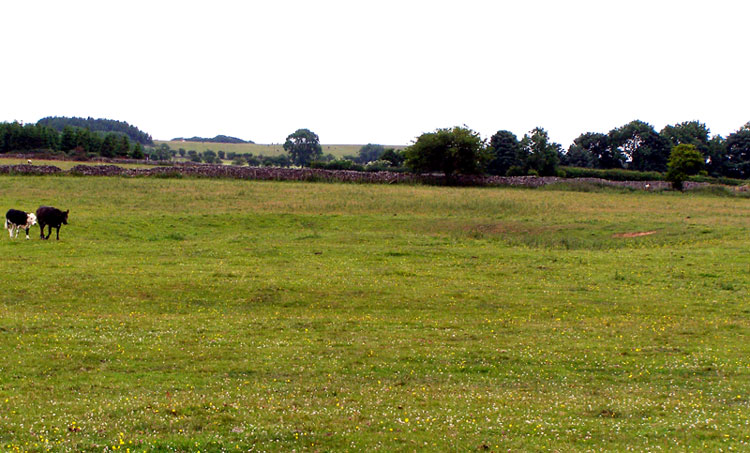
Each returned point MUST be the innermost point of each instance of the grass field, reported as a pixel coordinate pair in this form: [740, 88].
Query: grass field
[258, 149]
[65, 164]
[222, 315]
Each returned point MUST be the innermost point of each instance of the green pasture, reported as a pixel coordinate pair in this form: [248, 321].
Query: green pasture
[65, 164]
[257, 149]
[223, 315]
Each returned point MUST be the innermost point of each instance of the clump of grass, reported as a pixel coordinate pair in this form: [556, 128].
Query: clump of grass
[587, 186]
[169, 175]
[719, 191]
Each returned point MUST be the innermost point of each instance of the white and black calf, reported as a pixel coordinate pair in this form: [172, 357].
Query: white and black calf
[19, 220]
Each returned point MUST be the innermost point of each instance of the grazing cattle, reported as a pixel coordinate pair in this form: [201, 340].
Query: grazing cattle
[18, 220]
[52, 217]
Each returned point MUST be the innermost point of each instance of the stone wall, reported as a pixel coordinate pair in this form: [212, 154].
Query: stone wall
[29, 170]
[315, 174]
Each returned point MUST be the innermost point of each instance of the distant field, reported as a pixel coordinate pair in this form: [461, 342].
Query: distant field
[64, 164]
[227, 315]
[256, 149]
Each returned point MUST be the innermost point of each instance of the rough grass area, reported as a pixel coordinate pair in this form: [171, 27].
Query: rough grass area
[224, 315]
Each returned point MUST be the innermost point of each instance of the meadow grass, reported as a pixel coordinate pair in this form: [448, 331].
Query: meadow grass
[65, 165]
[222, 315]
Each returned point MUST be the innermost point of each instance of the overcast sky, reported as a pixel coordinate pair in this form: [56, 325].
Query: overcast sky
[377, 71]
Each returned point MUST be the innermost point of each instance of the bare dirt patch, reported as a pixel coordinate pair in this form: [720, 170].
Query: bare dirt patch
[633, 235]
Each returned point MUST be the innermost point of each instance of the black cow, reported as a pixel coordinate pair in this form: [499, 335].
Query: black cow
[52, 217]
[18, 220]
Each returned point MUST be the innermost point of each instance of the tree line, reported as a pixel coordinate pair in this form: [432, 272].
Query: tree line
[460, 150]
[634, 146]
[103, 125]
[76, 141]
[637, 146]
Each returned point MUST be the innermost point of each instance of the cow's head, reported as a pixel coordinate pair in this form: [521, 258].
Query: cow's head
[65, 217]
[31, 219]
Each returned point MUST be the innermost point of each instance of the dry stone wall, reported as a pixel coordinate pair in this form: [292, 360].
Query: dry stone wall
[29, 170]
[316, 174]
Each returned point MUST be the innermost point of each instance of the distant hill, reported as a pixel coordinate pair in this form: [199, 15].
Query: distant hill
[217, 139]
[98, 125]
[257, 149]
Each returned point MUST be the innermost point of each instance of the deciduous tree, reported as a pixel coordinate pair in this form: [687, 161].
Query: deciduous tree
[716, 157]
[594, 147]
[303, 147]
[687, 133]
[539, 153]
[370, 153]
[738, 153]
[457, 150]
[643, 147]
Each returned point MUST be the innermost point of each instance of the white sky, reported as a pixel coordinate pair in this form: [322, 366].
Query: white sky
[377, 71]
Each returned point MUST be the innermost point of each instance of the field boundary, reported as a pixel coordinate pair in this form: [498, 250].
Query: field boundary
[314, 174]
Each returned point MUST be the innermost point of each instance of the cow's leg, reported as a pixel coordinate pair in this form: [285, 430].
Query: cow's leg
[57, 232]
[49, 231]
[41, 230]
[27, 233]
[10, 232]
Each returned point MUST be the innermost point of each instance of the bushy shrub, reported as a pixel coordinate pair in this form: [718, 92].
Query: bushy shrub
[339, 164]
[516, 171]
[685, 160]
[395, 157]
[379, 165]
[275, 161]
